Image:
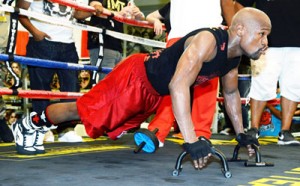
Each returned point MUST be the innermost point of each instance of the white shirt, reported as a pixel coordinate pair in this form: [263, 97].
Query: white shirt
[56, 32]
[189, 15]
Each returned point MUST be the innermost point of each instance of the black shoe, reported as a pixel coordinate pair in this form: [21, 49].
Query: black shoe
[286, 138]
[254, 132]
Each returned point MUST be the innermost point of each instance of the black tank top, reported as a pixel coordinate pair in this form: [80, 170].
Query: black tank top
[161, 65]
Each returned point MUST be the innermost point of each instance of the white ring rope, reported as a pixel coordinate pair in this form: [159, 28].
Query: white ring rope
[75, 25]
[245, 75]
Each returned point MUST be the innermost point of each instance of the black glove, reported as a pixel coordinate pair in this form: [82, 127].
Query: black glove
[199, 149]
[245, 140]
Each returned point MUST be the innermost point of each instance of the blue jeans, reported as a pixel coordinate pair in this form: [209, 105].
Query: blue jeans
[41, 78]
[110, 59]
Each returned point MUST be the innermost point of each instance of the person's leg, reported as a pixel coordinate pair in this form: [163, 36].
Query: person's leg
[257, 107]
[94, 56]
[61, 112]
[204, 107]
[265, 75]
[68, 80]
[53, 115]
[290, 93]
[27, 130]
[118, 57]
[163, 120]
[133, 123]
[110, 59]
[288, 108]
[107, 108]
[40, 78]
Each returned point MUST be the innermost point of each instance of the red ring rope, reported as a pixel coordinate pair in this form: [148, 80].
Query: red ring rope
[106, 12]
[244, 100]
[41, 94]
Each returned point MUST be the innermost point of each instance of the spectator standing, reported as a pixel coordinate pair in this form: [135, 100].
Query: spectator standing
[112, 47]
[281, 62]
[51, 42]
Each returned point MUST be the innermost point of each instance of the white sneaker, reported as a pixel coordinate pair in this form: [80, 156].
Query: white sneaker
[25, 135]
[40, 136]
[160, 144]
[39, 140]
[226, 131]
[49, 137]
[70, 137]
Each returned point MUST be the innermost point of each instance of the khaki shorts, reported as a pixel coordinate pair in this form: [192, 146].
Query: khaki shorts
[278, 64]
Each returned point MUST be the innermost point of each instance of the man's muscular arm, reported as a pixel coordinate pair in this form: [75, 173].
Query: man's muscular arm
[233, 108]
[201, 49]
[232, 99]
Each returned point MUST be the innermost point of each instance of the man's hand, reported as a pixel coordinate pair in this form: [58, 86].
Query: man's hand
[245, 140]
[39, 35]
[98, 7]
[132, 12]
[137, 14]
[158, 27]
[200, 151]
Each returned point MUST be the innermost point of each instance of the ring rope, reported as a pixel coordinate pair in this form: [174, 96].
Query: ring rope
[38, 94]
[75, 25]
[244, 76]
[106, 12]
[42, 94]
[54, 64]
[275, 101]
[71, 66]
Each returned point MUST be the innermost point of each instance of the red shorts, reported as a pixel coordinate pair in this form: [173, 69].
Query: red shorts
[121, 101]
